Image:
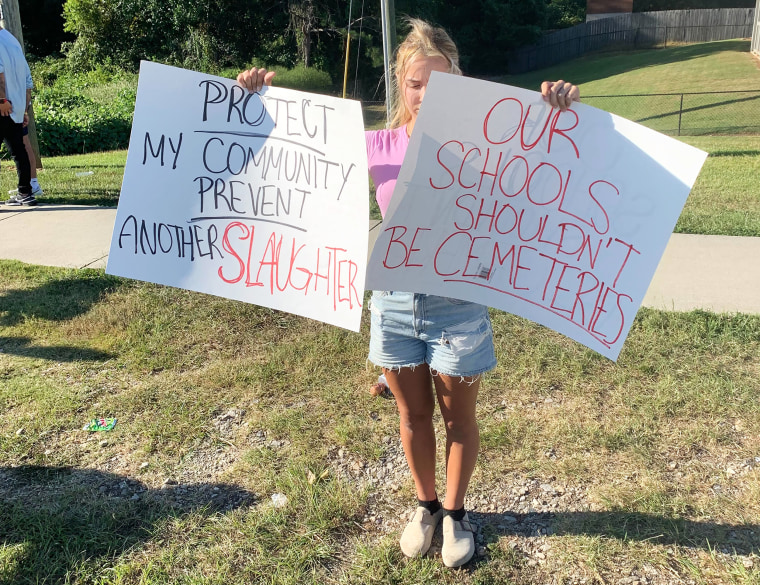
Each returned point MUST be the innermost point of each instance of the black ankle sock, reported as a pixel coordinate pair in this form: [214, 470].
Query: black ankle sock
[455, 514]
[432, 506]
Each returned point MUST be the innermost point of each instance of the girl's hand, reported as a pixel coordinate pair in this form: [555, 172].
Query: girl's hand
[254, 79]
[560, 94]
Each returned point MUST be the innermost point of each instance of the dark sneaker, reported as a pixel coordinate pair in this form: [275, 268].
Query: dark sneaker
[36, 191]
[25, 200]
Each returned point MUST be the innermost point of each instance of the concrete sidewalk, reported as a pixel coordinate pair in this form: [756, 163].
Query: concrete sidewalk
[715, 273]
[71, 236]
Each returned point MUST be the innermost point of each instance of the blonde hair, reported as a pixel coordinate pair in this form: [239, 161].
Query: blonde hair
[423, 40]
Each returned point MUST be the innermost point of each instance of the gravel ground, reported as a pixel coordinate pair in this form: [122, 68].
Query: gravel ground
[518, 512]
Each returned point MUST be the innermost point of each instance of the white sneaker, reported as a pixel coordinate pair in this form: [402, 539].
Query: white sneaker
[458, 541]
[418, 534]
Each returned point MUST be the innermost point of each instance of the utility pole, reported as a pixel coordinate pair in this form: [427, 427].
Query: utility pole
[11, 21]
[388, 19]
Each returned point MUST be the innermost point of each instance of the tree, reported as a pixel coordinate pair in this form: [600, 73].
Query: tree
[564, 13]
[486, 30]
[42, 24]
[119, 33]
[219, 33]
[303, 24]
[206, 35]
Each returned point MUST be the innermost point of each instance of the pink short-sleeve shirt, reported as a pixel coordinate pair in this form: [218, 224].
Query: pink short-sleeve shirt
[385, 153]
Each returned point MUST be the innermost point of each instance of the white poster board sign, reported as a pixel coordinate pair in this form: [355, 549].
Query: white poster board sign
[261, 198]
[560, 217]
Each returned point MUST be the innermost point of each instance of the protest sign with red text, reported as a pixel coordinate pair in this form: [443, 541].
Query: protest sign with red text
[257, 197]
[560, 217]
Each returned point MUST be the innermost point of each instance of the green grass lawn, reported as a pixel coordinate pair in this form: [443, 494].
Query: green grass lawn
[721, 66]
[725, 199]
[716, 66]
[84, 179]
[655, 448]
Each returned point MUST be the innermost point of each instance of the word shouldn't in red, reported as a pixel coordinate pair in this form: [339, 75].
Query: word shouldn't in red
[525, 227]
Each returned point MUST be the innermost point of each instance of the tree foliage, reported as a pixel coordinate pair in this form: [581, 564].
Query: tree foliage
[564, 13]
[486, 30]
[207, 35]
[42, 26]
[233, 33]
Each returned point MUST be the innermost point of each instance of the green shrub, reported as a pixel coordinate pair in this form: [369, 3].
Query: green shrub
[93, 111]
[299, 77]
[85, 113]
[305, 79]
[70, 124]
[46, 72]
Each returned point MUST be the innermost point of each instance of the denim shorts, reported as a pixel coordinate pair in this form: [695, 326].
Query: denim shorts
[453, 337]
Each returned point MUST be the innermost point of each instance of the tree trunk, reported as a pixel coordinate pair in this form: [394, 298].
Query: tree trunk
[11, 22]
[302, 22]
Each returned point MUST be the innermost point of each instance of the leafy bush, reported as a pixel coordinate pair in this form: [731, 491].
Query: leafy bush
[299, 77]
[200, 35]
[93, 111]
[46, 72]
[76, 124]
[565, 13]
[86, 113]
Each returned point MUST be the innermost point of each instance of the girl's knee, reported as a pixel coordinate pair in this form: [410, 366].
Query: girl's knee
[461, 426]
[416, 420]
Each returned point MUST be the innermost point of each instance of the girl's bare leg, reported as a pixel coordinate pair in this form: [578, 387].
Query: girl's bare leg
[457, 398]
[414, 397]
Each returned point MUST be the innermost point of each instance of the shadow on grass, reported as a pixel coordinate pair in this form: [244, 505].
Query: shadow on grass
[91, 166]
[56, 300]
[626, 526]
[59, 353]
[664, 56]
[81, 196]
[734, 153]
[55, 519]
[697, 108]
[607, 63]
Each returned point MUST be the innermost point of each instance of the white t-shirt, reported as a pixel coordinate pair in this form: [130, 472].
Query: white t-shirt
[18, 78]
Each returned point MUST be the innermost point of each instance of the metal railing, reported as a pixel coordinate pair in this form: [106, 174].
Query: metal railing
[688, 113]
[683, 114]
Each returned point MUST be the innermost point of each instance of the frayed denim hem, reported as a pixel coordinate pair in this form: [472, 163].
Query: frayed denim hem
[466, 378]
[469, 380]
[411, 366]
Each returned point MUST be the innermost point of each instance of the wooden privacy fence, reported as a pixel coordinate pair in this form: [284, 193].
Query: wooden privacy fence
[640, 30]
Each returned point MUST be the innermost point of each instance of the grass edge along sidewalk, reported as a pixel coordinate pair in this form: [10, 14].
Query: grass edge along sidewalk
[696, 272]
